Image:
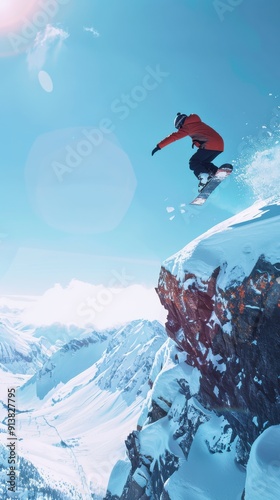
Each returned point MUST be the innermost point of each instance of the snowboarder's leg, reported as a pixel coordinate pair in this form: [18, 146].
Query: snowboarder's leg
[201, 162]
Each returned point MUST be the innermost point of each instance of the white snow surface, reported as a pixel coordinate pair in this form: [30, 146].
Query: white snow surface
[263, 469]
[235, 245]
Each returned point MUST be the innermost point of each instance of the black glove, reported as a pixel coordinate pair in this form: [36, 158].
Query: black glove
[155, 150]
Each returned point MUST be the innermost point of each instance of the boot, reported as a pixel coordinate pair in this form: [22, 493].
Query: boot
[203, 180]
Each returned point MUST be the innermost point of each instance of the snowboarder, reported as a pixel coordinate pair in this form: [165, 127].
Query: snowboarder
[209, 143]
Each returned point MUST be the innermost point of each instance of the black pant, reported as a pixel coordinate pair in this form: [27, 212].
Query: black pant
[200, 162]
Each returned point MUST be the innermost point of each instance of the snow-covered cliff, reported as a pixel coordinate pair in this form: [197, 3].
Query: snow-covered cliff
[215, 383]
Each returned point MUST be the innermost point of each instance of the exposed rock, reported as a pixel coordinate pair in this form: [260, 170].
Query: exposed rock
[133, 448]
[163, 469]
[233, 337]
[188, 423]
[156, 412]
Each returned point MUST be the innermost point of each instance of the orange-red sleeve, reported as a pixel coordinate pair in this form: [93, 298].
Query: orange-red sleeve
[173, 137]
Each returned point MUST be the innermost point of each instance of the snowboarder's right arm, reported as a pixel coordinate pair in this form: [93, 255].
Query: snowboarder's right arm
[175, 136]
[169, 139]
[183, 131]
[157, 148]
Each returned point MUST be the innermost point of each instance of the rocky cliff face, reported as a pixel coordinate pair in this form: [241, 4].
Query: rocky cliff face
[232, 336]
[222, 294]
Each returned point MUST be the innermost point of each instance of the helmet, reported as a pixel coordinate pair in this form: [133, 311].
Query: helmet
[179, 119]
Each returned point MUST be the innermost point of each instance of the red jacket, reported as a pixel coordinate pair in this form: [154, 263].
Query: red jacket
[203, 136]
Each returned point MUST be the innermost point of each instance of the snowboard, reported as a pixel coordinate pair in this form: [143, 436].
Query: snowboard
[222, 173]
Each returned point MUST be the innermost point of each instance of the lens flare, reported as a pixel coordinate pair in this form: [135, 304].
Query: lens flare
[14, 12]
[20, 21]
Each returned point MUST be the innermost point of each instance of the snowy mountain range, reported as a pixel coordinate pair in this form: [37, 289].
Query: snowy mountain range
[77, 408]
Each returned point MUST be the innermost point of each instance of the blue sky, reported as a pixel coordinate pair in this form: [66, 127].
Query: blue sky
[88, 89]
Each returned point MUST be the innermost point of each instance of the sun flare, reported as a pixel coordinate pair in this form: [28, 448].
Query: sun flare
[14, 13]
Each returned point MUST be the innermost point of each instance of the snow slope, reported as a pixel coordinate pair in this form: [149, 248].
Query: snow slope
[222, 244]
[19, 351]
[66, 362]
[263, 471]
